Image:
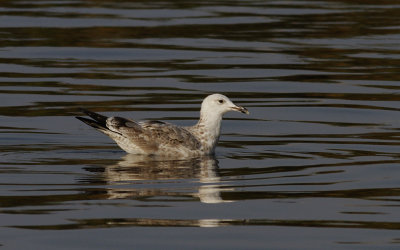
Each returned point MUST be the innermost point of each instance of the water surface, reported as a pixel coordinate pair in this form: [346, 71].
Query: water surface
[315, 164]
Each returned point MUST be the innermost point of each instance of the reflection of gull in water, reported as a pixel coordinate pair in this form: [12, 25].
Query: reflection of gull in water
[160, 138]
[139, 169]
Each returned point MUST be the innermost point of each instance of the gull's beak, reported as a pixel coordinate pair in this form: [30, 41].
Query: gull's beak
[241, 109]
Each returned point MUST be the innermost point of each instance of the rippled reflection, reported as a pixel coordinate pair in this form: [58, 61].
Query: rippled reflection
[133, 169]
[104, 223]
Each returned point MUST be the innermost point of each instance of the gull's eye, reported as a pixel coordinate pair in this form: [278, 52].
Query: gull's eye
[221, 101]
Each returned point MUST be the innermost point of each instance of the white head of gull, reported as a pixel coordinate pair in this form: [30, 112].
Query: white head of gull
[165, 139]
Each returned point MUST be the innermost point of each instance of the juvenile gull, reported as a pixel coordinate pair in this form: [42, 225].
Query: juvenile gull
[165, 139]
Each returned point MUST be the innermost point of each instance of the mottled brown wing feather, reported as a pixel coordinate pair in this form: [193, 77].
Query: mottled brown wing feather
[169, 135]
[151, 135]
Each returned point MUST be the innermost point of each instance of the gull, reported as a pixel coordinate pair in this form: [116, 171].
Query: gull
[166, 139]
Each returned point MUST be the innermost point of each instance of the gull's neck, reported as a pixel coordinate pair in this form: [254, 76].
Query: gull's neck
[208, 130]
[211, 122]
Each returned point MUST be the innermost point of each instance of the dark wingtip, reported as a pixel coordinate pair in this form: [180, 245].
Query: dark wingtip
[82, 119]
[91, 123]
[97, 117]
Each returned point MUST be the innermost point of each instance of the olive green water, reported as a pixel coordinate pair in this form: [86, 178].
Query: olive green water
[315, 165]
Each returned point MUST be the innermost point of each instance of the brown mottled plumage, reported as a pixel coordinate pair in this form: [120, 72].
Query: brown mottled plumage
[161, 138]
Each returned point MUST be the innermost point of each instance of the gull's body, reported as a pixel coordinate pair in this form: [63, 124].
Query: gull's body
[165, 139]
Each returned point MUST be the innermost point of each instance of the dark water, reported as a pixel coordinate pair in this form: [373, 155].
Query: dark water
[316, 164]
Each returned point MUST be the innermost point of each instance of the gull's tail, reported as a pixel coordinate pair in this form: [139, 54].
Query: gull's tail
[126, 133]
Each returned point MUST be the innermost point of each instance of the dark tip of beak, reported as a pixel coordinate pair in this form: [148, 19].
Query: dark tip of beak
[241, 109]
